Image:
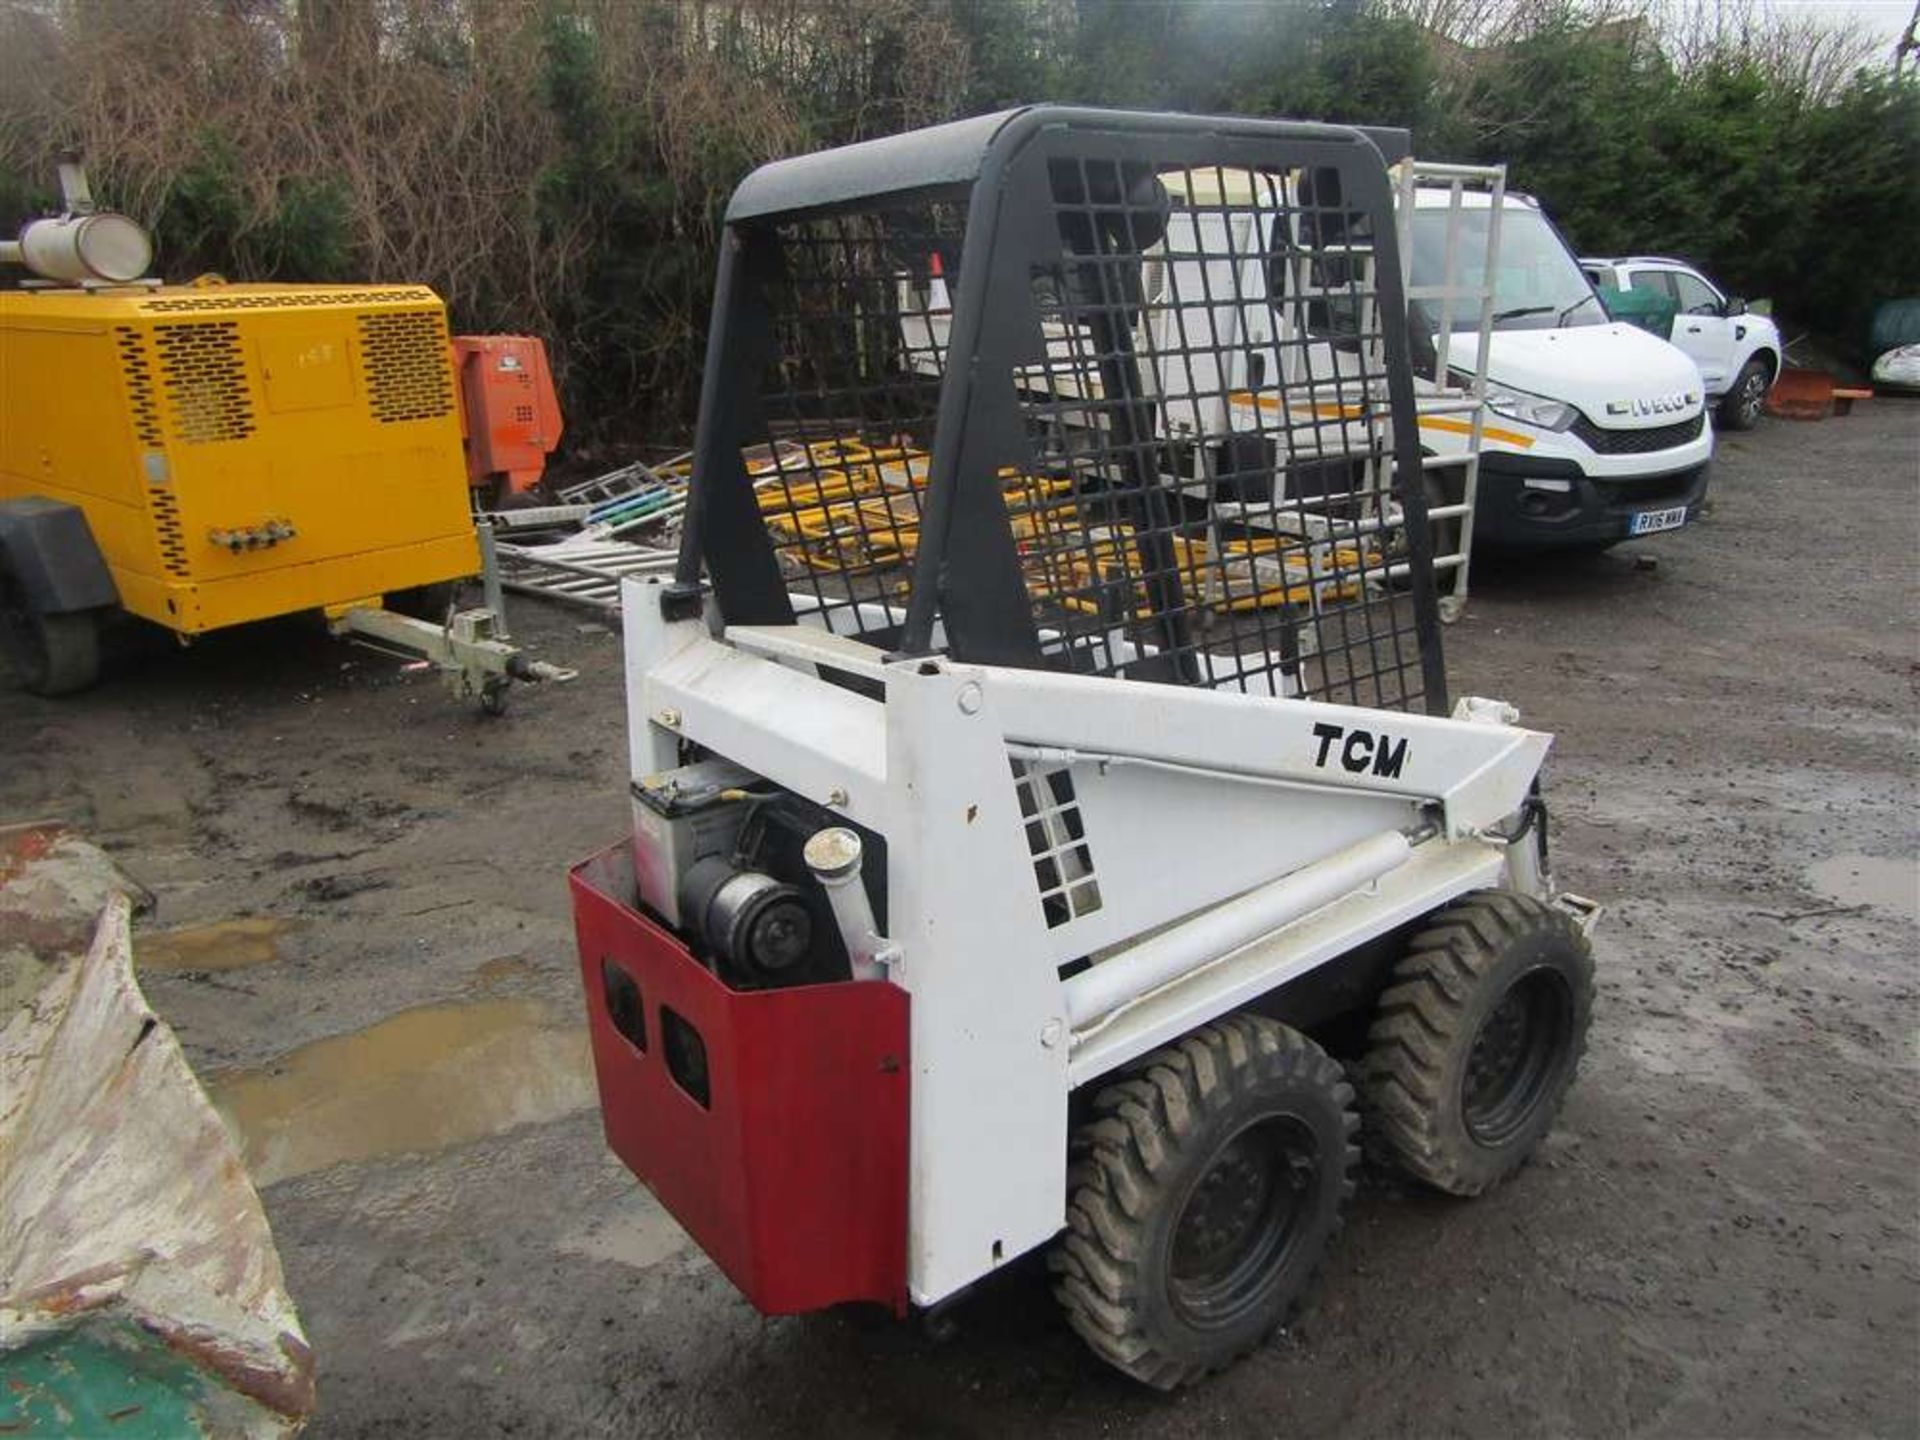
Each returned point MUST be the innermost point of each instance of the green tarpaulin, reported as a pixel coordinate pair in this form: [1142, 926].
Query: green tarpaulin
[1652, 313]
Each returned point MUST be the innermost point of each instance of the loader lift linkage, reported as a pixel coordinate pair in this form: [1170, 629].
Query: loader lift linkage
[1043, 774]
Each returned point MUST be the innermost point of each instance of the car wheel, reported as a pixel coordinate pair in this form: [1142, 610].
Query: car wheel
[1742, 405]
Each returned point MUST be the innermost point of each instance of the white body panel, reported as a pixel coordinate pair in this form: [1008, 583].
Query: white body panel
[1158, 775]
[1719, 343]
[1619, 374]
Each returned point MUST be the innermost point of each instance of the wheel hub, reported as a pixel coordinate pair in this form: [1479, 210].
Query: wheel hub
[1516, 1057]
[1241, 1219]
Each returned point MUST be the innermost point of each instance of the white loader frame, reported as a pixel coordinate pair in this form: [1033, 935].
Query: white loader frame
[1348, 823]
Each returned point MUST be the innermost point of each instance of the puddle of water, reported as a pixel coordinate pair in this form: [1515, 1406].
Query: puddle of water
[423, 1080]
[1892, 885]
[224, 945]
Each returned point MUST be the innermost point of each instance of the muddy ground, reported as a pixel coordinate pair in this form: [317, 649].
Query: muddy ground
[370, 959]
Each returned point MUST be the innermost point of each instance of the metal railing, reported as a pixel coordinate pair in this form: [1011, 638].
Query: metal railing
[1438, 397]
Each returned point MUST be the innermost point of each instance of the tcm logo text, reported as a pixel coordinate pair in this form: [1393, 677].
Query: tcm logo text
[1360, 750]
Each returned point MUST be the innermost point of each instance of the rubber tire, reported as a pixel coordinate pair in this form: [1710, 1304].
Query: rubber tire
[1734, 412]
[1453, 977]
[49, 654]
[1151, 1137]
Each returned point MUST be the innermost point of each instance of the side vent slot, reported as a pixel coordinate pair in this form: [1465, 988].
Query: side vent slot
[166, 524]
[205, 380]
[625, 1007]
[686, 1057]
[1057, 840]
[143, 405]
[280, 300]
[403, 355]
[143, 402]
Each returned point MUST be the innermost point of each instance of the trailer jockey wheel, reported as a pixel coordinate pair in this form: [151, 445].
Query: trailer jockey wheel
[1746, 399]
[1477, 1038]
[1204, 1190]
[494, 693]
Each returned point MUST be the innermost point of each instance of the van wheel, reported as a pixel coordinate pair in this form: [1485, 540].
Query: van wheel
[1203, 1192]
[1743, 404]
[48, 654]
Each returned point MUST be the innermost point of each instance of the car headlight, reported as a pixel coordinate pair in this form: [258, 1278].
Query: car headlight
[1535, 410]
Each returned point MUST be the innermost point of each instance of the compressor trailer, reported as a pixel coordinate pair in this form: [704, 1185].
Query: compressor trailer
[210, 455]
[1024, 834]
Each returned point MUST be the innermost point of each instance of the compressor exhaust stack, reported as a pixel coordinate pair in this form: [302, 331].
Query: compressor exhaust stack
[83, 245]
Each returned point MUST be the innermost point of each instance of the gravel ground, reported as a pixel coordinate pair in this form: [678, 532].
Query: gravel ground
[364, 944]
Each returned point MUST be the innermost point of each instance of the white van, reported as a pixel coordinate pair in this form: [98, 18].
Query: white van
[1596, 431]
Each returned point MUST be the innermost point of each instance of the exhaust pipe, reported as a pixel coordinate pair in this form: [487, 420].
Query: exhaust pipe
[83, 244]
[834, 856]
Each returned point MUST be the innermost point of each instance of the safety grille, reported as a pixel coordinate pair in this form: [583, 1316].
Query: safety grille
[206, 381]
[1637, 442]
[1212, 497]
[403, 355]
[1057, 840]
[143, 401]
[284, 300]
[1177, 459]
[167, 531]
[850, 398]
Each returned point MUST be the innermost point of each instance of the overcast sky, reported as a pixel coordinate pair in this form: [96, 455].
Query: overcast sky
[1885, 19]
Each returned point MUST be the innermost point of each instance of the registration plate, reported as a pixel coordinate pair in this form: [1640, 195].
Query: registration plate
[1648, 522]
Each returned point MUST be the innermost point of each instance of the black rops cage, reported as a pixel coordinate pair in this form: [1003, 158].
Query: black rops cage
[1123, 394]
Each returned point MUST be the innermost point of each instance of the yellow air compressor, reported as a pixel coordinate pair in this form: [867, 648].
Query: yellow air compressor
[209, 455]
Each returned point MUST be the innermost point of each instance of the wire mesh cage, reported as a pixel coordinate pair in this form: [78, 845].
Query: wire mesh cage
[1125, 395]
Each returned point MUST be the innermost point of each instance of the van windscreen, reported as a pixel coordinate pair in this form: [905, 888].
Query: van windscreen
[1537, 283]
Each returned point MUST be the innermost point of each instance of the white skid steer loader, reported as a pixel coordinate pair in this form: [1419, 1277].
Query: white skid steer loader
[1037, 784]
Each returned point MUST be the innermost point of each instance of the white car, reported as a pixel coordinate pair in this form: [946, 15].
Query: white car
[1738, 352]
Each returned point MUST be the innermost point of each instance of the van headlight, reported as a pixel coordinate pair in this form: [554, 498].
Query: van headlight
[1535, 410]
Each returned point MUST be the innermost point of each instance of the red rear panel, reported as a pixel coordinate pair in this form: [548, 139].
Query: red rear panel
[772, 1124]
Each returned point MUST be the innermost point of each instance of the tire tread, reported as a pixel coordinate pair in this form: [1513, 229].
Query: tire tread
[1421, 1018]
[1122, 1156]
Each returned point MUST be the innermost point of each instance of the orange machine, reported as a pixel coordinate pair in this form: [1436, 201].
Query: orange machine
[510, 411]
